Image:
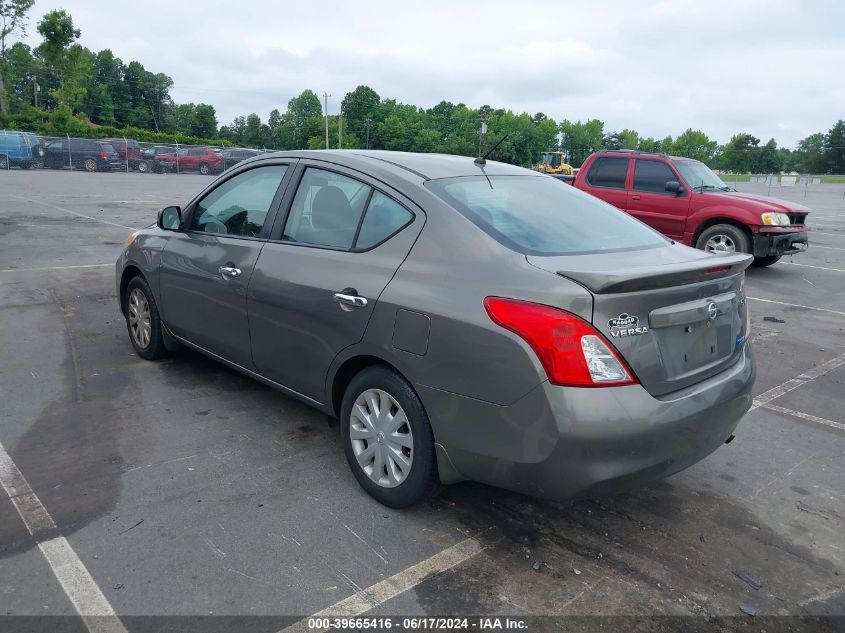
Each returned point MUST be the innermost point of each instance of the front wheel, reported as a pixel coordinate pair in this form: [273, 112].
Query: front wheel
[723, 238]
[142, 320]
[205, 169]
[143, 167]
[4, 162]
[387, 438]
[762, 262]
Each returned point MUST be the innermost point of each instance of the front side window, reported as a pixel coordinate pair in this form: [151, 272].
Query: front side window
[608, 171]
[652, 176]
[537, 215]
[326, 210]
[239, 206]
[699, 176]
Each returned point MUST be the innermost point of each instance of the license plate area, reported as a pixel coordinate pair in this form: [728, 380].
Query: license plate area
[694, 346]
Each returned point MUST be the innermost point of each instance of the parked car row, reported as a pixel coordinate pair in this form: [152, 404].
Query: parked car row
[26, 150]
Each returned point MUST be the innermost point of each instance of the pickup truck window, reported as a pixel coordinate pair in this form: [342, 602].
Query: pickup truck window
[608, 171]
[652, 176]
[538, 215]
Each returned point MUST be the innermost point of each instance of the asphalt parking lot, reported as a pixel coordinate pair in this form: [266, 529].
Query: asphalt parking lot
[186, 489]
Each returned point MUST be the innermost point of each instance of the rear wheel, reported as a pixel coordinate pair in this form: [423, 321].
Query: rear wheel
[724, 238]
[4, 162]
[142, 320]
[387, 438]
[90, 164]
[762, 262]
[144, 167]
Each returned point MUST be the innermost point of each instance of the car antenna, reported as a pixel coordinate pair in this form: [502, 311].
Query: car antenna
[482, 160]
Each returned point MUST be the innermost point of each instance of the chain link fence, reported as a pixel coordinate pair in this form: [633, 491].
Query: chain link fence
[25, 150]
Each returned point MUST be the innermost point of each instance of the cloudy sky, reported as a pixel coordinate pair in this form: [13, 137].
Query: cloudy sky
[772, 67]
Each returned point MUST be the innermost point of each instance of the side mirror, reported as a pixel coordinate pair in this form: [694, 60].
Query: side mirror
[170, 219]
[675, 187]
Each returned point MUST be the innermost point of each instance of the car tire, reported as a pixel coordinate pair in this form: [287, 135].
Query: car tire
[4, 162]
[205, 170]
[26, 165]
[143, 321]
[144, 167]
[723, 238]
[762, 262]
[90, 164]
[407, 465]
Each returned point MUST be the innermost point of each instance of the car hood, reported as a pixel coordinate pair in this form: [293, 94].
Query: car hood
[763, 203]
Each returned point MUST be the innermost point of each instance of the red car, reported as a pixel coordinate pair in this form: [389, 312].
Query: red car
[205, 160]
[127, 149]
[683, 199]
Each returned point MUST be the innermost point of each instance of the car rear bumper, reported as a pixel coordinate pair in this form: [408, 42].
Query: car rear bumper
[768, 244]
[561, 442]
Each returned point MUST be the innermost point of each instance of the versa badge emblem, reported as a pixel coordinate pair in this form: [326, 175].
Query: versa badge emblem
[626, 325]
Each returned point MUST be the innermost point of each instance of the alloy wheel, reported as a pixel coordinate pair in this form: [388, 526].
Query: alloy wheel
[138, 313]
[720, 243]
[381, 438]
[90, 164]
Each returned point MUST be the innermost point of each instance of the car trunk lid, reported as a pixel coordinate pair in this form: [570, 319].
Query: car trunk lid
[675, 314]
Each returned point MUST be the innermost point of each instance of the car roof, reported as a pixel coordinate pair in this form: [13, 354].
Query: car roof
[635, 153]
[409, 165]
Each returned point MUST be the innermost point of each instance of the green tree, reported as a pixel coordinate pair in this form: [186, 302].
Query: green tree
[205, 121]
[740, 154]
[579, 140]
[694, 144]
[768, 161]
[834, 148]
[12, 19]
[358, 106]
[810, 155]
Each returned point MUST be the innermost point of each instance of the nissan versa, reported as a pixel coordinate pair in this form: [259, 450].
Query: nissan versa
[462, 319]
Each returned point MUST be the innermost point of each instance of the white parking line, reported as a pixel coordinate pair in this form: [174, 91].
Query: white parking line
[76, 213]
[389, 588]
[776, 392]
[29, 270]
[805, 416]
[835, 270]
[795, 305]
[73, 576]
[827, 233]
[832, 248]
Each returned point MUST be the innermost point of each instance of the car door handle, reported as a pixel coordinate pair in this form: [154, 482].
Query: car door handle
[229, 271]
[635, 197]
[354, 301]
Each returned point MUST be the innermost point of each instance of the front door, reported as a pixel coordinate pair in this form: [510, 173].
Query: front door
[316, 283]
[649, 202]
[205, 268]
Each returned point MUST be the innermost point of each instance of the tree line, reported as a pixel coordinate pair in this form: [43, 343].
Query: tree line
[60, 87]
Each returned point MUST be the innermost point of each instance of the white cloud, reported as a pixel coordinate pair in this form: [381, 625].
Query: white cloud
[772, 68]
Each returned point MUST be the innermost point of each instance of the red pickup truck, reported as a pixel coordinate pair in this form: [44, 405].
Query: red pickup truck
[683, 199]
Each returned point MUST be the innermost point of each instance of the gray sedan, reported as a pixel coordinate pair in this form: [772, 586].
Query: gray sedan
[462, 319]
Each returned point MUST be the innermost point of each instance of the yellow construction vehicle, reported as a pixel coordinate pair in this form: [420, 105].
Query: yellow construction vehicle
[553, 163]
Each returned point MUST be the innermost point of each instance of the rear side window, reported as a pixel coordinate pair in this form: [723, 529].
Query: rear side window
[608, 171]
[326, 210]
[652, 175]
[384, 217]
[537, 215]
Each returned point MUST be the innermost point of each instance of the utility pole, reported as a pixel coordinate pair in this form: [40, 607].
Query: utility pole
[482, 132]
[35, 90]
[326, 112]
[340, 130]
[367, 123]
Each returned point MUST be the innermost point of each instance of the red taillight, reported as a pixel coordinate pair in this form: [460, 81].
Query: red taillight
[104, 155]
[572, 351]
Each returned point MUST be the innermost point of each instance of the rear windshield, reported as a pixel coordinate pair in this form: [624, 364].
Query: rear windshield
[538, 215]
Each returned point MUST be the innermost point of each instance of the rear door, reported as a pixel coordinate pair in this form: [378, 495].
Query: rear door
[649, 202]
[607, 178]
[206, 267]
[318, 279]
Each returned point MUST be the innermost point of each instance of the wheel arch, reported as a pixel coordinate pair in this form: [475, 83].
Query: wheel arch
[346, 371]
[713, 221]
[129, 272]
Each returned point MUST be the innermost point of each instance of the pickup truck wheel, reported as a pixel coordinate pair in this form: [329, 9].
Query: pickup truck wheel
[143, 167]
[762, 262]
[723, 238]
